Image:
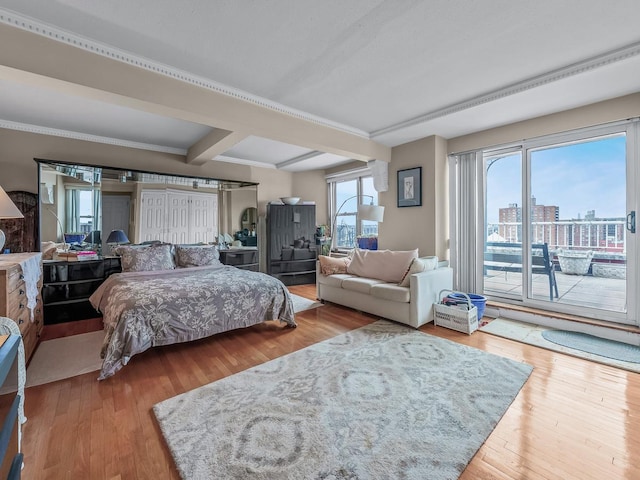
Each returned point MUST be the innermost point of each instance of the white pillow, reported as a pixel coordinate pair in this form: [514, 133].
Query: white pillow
[418, 265]
[387, 265]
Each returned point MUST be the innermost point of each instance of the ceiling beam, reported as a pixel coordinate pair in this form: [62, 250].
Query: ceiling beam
[298, 159]
[213, 144]
[61, 66]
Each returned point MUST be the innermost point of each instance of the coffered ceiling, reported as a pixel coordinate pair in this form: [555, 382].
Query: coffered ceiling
[328, 81]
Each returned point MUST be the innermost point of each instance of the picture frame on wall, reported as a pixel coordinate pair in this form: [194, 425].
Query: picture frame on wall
[410, 187]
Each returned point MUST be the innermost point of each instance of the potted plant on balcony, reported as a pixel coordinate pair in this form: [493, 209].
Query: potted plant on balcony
[575, 262]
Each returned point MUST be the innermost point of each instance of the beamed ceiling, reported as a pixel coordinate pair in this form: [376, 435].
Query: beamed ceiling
[304, 85]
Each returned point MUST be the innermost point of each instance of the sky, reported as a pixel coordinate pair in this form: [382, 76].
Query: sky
[577, 178]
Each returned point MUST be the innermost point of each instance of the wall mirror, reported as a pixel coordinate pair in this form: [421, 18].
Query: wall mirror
[249, 219]
[80, 205]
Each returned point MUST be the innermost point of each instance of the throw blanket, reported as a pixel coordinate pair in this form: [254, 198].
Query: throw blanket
[31, 270]
[145, 309]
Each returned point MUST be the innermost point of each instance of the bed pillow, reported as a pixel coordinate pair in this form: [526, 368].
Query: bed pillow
[333, 265]
[418, 265]
[197, 256]
[387, 265]
[144, 259]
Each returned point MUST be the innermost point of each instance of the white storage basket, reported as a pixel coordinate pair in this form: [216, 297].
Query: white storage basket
[463, 320]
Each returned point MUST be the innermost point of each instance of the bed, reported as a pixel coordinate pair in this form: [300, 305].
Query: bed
[163, 306]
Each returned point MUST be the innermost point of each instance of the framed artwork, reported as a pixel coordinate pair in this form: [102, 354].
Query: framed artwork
[410, 187]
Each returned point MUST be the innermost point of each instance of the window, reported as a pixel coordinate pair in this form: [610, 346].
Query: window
[83, 209]
[345, 192]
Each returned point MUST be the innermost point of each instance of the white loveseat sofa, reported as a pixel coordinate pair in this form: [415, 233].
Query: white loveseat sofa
[411, 304]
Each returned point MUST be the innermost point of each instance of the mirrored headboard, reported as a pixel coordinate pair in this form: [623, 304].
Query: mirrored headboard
[82, 204]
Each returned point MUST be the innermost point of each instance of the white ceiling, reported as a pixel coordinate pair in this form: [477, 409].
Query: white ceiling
[392, 71]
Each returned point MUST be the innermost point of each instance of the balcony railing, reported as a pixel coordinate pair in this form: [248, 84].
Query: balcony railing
[605, 236]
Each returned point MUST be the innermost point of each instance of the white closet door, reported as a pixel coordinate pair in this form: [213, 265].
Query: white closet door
[203, 215]
[178, 218]
[152, 216]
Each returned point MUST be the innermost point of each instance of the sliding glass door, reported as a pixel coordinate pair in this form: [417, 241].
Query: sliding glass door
[502, 266]
[558, 223]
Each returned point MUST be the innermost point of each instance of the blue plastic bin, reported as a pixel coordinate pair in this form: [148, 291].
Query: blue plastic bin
[478, 300]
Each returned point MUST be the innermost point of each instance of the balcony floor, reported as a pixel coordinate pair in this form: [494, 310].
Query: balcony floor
[580, 290]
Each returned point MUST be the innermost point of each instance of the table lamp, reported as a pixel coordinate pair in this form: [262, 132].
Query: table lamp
[115, 238]
[8, 209]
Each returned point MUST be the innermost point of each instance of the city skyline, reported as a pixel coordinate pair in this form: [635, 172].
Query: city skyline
[577, 178]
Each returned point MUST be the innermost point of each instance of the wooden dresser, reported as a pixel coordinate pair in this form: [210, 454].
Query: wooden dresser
[13, 300]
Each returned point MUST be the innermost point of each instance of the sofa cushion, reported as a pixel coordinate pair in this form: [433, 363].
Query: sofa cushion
[391, 292]
[359, 284]
[334, 280]
[387, 265]
[333, 265]
[423, 264]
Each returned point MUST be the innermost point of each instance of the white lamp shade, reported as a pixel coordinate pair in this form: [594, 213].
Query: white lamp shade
[8, 209]
[374, 213]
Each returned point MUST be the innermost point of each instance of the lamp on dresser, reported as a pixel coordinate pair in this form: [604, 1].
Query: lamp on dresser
[8, 209]
[371, 212]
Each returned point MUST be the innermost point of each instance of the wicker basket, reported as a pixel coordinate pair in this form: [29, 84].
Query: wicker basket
[456, 318]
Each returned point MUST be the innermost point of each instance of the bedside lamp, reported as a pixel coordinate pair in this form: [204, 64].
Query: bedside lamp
[115, 238]
[8, 209]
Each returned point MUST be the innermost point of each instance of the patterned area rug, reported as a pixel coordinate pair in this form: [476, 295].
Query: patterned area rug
[383, 401]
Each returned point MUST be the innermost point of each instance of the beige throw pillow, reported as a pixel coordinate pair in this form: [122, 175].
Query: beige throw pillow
[333, 265]
[387, 265]
[418, 265]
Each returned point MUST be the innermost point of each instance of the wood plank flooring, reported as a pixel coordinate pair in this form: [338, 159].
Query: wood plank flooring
[573, 419]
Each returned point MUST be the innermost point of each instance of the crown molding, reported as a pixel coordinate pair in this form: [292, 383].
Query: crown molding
[577, 68]
[34, 26]
[25, 127]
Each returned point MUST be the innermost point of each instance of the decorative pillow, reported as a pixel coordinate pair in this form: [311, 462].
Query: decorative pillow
[144, 259]
[197, 256]
[333, 265]
[387, 265]
[418, 265]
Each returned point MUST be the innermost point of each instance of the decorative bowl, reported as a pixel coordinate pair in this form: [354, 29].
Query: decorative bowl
[290, 200]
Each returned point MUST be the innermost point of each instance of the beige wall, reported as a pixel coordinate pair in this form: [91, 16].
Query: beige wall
[312, 186]
[424, 227]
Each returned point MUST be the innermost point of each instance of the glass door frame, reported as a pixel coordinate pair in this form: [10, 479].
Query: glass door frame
[631, 128]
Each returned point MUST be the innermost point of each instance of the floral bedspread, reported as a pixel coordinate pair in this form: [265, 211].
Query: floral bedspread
[145, 309]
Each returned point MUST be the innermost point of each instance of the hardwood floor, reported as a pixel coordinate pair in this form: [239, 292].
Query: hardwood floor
[573, 419]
